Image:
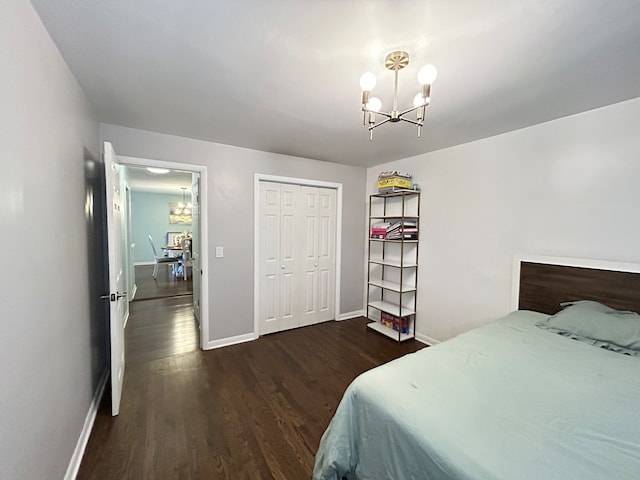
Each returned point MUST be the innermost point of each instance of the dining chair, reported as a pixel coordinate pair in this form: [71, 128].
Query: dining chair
[187, 259]
[162, 260]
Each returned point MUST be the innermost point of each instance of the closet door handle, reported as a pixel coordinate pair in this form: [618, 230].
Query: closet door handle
[282, 267]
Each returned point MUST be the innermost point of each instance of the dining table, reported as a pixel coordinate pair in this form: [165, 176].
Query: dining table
[174, 251]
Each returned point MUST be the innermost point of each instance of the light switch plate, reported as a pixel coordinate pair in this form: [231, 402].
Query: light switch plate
[219, 252]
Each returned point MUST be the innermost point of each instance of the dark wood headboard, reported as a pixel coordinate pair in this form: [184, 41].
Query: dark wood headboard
[543, 286]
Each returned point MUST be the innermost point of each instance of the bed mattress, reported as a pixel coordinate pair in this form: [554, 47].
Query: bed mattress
[502, 402]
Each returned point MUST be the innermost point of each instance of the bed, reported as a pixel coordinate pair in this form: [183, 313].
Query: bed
[513, 399]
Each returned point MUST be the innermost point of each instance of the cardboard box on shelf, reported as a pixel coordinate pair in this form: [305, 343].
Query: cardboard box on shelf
[393, 183]
[391, 321]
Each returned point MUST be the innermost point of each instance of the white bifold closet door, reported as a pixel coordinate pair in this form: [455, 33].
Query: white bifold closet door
[297, 256]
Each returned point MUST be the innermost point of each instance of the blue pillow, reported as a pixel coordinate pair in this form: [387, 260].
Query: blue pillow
[598, 325]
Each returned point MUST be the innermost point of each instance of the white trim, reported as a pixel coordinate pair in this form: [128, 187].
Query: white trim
[337, 282]
[260, 177]
[76, 458]
[144, 263]
[256, 254]
[226, 342]
[204, 232]
[133, 294]
[126, 318]
[350, 315]
[427, 340]
[518, 258]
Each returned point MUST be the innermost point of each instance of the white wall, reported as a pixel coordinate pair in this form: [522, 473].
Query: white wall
[230, 195]
[52, 336]
[569, 187]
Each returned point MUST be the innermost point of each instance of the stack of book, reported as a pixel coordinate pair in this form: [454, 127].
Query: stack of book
[379, 230]
[403, 229]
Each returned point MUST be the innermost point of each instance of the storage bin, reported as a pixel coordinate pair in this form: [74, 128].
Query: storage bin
[392, 183]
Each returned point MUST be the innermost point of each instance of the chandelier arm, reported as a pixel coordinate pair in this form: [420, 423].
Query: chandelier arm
[379, 123]
[388, 115]
[410, 110]
[420, 124]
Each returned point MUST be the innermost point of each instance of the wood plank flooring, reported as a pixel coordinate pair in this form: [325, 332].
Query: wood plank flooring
[164, 285]
[160, 328]
[251, 411]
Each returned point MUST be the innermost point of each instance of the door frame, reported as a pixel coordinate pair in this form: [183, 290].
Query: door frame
[262, 177]
[204, 232]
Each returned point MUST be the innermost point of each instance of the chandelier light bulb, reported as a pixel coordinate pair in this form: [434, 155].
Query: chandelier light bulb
[427, 75]
[419, 100]
[367, 81]
[374, 104]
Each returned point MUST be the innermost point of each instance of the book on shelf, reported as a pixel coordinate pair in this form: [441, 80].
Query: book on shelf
[399, 224]
[379, 230]
[405, 236]
[403, 229]
[406, 229]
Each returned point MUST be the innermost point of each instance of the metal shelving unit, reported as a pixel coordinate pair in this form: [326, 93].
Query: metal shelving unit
[392, 277]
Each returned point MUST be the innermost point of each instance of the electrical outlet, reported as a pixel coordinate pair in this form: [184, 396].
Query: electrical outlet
[219, 252]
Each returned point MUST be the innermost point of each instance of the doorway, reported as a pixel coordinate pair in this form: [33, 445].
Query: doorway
[171, 288]
[162, 231]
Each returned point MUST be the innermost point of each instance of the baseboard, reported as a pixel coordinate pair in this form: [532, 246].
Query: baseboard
[349, 315]
[133, 295]
[76, 458]
[225, 342]
[426, 339]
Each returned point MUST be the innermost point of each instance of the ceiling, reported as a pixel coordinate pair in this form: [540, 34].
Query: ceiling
[282, 75]
[140, 179]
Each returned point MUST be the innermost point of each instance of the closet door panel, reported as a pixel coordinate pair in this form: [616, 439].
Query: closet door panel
[324, 290]
[326, 253]
[287, 297]
[309, 216]
[310, 294]
[270, 298]
[290, 275]
[269, 274]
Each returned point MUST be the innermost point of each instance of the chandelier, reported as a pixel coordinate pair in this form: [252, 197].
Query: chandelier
[183, 207]
[371, 106]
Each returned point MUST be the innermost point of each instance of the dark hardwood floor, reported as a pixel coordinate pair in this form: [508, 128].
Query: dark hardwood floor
[160, 328]
[164, 285]
[251, 411]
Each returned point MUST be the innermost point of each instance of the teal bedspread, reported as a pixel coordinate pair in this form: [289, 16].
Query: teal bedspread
[507, 401]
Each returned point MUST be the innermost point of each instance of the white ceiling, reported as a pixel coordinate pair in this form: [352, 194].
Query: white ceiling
[140, 179]
[282, 75]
